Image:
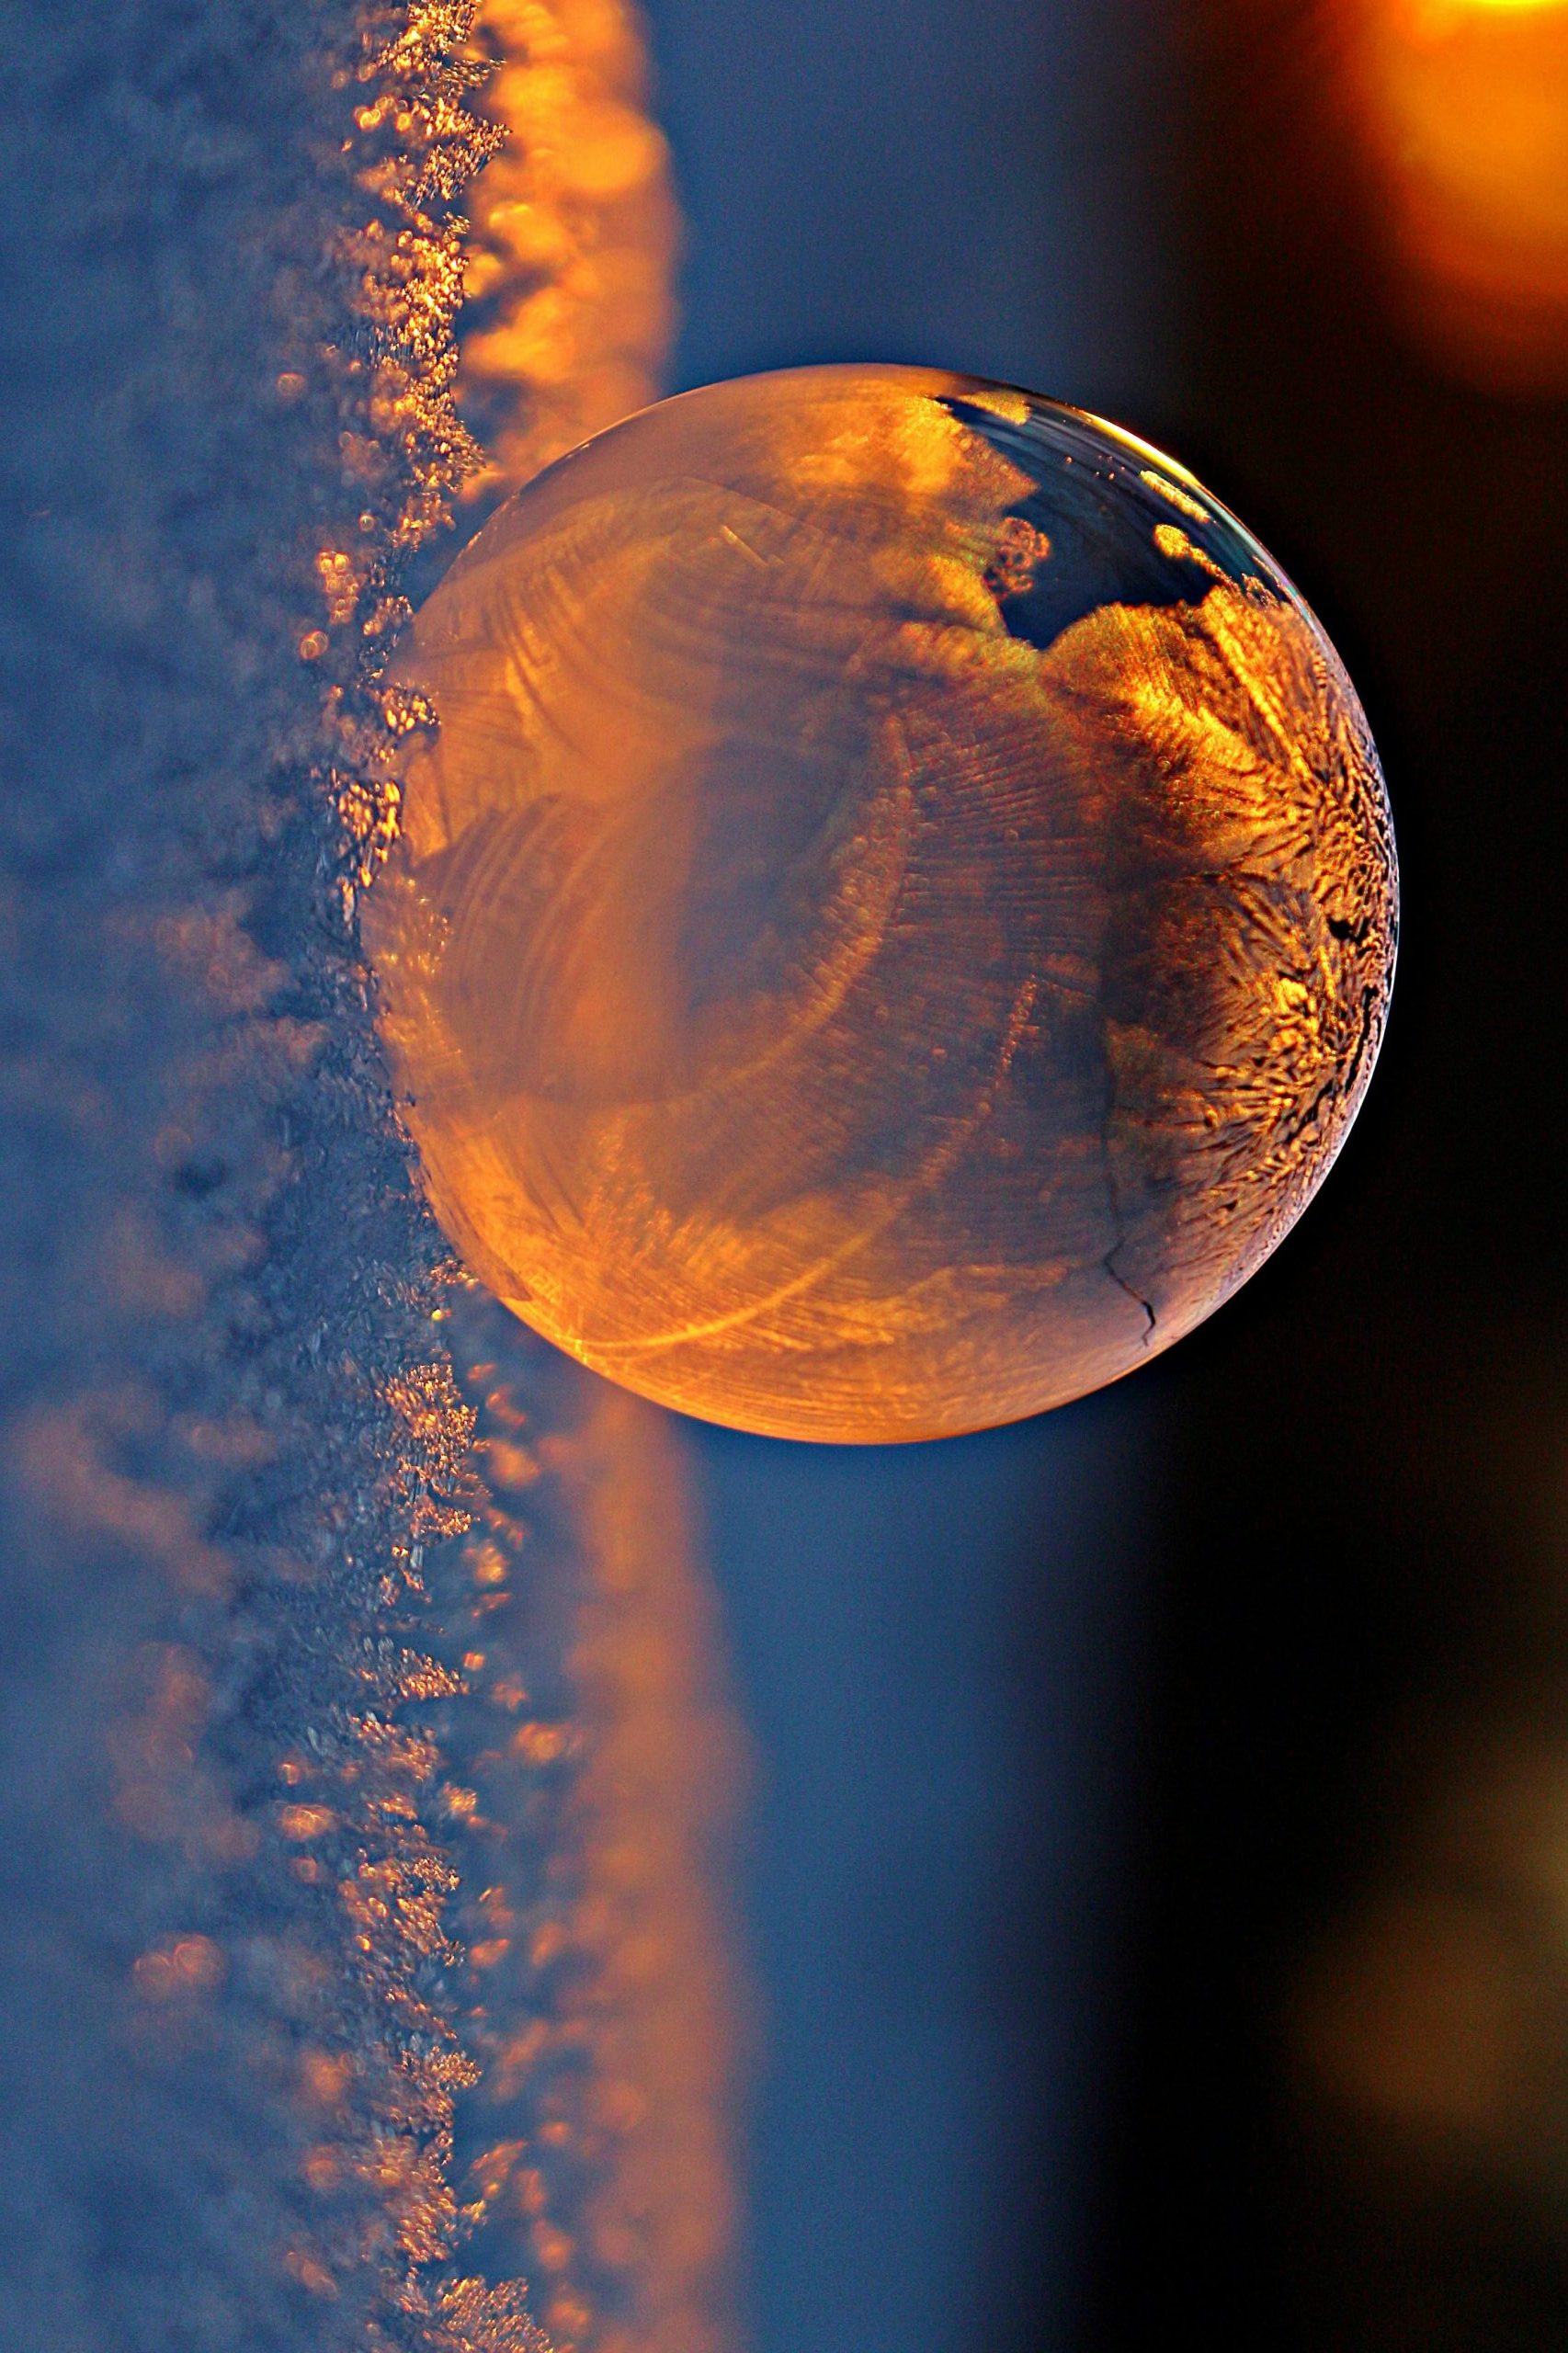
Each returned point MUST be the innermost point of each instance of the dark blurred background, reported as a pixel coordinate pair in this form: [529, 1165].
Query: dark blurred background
[1159, 1890]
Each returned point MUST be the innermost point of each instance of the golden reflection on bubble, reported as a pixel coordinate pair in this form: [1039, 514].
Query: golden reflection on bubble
[897, 914]
[1464, 107]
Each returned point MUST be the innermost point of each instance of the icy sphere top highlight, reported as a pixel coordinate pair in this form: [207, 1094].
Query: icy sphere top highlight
[897, 913]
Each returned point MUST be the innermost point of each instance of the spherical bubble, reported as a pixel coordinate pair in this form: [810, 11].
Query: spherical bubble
[897, 914]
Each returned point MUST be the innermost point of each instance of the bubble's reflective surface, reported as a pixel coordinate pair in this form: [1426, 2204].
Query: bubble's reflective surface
[898, 913]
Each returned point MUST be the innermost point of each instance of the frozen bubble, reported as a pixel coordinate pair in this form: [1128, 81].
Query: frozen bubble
[898, 913]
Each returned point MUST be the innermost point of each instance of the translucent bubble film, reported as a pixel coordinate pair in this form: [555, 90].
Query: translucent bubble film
[897, 911]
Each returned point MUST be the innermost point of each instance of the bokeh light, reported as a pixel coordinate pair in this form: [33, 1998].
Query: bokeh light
[1464, 107]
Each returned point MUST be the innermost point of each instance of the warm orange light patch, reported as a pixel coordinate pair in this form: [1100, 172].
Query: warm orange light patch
[185, 1966]
[311, 2275]
[604, 1987]
[569, 259]
[1439, 11]
[1431, 2023]
[1464, 103]
[306, 1821]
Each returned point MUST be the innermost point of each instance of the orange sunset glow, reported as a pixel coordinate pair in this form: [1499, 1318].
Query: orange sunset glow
[1463, 104]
